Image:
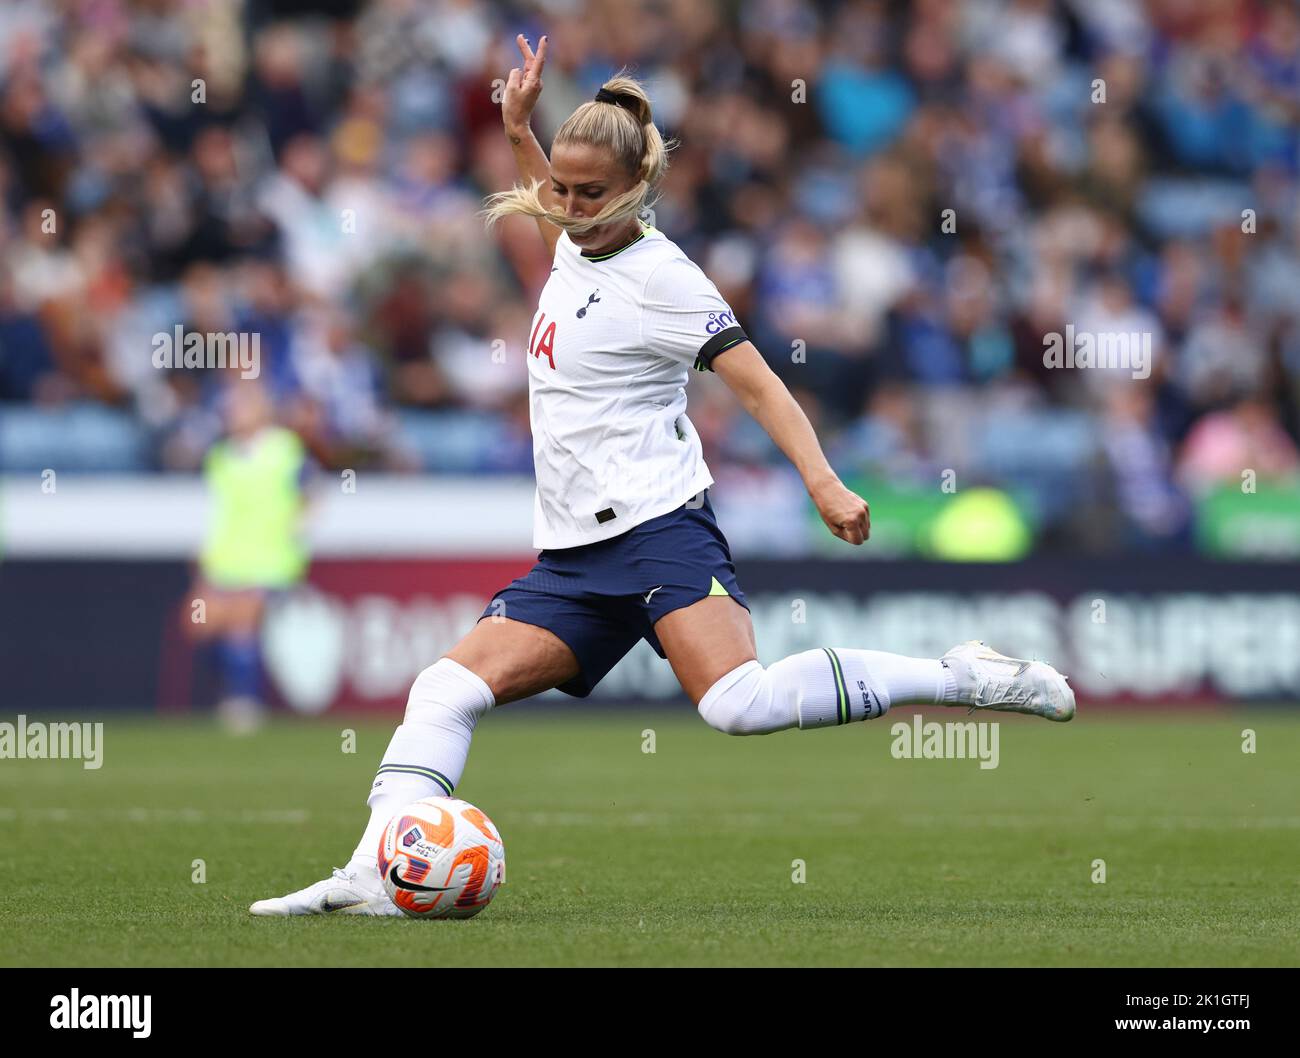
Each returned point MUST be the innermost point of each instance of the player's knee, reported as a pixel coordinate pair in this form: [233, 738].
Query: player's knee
[446, 690]
[740, 703]
[753, 700]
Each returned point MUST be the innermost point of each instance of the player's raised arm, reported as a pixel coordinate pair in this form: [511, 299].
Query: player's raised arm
[765, 397]
[523, 89]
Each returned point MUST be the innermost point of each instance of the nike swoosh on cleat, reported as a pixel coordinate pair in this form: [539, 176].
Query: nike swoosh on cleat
[1021, 666]
[412, 887]
[327, 906]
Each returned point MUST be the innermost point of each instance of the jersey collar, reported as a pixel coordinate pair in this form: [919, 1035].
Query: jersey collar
[614, 253]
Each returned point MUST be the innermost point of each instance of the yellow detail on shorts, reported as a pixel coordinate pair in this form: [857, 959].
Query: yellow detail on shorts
[717, 589]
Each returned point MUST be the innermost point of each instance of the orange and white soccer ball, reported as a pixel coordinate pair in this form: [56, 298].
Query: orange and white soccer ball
[440, 857]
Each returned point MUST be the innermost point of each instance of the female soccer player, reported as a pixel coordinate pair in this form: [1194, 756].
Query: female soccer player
[629, 546]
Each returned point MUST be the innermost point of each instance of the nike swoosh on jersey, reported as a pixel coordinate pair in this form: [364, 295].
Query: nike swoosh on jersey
[651, 592]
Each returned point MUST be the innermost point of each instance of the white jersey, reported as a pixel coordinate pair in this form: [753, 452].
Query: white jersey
[610, 351]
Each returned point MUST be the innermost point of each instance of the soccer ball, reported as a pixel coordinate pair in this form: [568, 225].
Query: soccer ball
[441, 857]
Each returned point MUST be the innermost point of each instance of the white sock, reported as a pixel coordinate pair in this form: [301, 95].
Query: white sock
[907, 681]
[427, 753]
[822, 688]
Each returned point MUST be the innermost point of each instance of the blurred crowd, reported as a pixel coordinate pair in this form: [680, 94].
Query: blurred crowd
[900, 200]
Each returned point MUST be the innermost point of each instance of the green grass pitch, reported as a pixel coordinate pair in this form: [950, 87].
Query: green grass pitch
[684, 856]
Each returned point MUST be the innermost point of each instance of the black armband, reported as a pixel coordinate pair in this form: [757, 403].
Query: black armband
[720, 342]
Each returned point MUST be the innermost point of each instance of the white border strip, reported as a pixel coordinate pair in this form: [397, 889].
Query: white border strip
[109, 516]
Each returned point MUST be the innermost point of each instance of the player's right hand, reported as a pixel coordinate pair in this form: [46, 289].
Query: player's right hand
[845, 513]
[523, 86]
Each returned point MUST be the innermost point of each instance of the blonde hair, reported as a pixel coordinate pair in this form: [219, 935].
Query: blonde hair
[627, 130]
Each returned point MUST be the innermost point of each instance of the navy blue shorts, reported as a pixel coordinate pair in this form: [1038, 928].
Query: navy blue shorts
[601, 598]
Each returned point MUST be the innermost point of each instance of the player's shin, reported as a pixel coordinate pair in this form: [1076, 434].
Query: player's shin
[822, 688]
[427, 753]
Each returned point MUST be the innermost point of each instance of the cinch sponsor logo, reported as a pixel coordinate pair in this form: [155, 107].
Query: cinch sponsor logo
[76, 1011]
[212, 349]
[950, 741]
[719, 322]
[38, 741]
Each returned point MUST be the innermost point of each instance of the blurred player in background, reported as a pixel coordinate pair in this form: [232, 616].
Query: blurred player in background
[254, 548]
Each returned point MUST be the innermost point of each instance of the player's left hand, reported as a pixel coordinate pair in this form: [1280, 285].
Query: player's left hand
[845, 513]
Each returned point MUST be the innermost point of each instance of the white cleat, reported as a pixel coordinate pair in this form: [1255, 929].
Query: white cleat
[989, 680]
[346, 892]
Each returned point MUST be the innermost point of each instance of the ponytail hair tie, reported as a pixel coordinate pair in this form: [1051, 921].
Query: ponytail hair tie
[606, 96]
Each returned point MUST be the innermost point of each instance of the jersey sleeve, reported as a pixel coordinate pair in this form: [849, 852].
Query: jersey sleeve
[684, 317]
